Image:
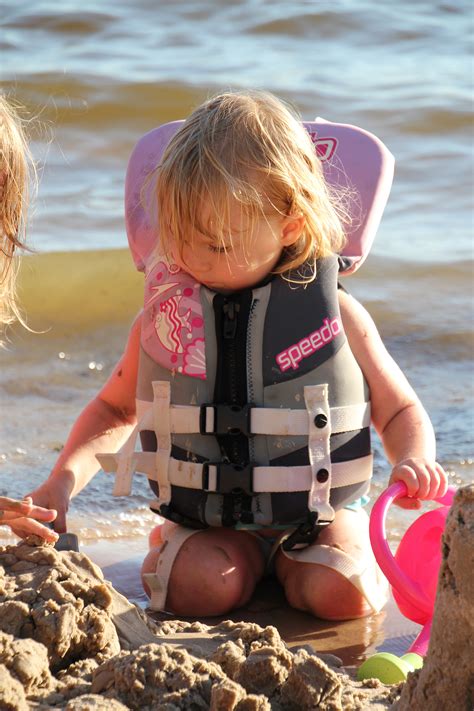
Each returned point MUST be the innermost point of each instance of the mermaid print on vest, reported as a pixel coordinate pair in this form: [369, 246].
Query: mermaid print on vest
[173, 324]
[252, 410]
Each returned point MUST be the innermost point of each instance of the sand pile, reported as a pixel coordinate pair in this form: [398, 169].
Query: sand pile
[68, 640]
[447, 677]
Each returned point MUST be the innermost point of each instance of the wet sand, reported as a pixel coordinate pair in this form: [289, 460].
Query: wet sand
[69, 640]
[352, 641]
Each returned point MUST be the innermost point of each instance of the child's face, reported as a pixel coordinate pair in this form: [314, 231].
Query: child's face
[250, 255]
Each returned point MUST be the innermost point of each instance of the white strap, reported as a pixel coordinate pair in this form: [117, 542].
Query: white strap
[319, 449]
[364, 574]
[123, 464]
[165, 419]
[158, 581]
[280, 421]
[287, 479]
[162, 428]
[265, 479]
[185, 419]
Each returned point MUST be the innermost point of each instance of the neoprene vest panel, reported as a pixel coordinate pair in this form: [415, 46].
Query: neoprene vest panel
[262, 346]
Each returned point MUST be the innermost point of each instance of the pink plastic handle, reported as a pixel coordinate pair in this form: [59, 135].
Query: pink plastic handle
[420, 644]
[378, 538]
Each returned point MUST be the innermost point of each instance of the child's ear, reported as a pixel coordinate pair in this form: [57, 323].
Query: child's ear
[292, 229]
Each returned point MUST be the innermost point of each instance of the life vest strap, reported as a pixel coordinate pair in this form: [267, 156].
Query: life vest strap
[124, 464]
[228, 419]
[162, 428]
[264, 479]
[319, 449]
[173, 540]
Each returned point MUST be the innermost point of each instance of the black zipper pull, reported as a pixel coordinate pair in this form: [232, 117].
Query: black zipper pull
[230, 310]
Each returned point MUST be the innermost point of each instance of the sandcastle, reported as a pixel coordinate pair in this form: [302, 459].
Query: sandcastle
[69, 641]
[447, 677]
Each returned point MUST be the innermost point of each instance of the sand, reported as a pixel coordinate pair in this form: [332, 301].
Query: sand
[69, 640]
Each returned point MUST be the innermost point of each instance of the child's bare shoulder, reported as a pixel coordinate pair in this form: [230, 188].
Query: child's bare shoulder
[365, 341]
[355, 317]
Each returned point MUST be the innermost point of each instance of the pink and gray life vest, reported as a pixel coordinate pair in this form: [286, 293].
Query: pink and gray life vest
[252, 410]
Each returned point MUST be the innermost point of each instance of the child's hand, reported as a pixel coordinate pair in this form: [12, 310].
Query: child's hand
[52, 494]
[425, 479]
[24, 518]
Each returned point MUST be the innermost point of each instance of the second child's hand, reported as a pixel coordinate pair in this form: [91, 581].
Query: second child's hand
[26, 519]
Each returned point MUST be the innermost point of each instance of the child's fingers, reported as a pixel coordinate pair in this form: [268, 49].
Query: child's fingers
[27, 526]
[407, 502]
[27, 511]
[424, 479]
[443, 481]
[407, 475]
[438, 481]
[415, 476]
[41, 514]
[14, 506]
[434, 482]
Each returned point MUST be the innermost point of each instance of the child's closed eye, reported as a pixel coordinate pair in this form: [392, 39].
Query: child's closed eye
[219, 248]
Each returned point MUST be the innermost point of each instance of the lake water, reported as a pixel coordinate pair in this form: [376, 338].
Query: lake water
[95, 76]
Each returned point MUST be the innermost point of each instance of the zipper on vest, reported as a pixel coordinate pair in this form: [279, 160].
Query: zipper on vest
[229, 330]
[230, 309]
[248, 352]
[231, 314]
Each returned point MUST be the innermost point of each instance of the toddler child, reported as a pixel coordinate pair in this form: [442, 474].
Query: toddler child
[14, 183]
[247, 221]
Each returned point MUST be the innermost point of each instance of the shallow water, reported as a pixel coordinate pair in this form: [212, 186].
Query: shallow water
[96, 76]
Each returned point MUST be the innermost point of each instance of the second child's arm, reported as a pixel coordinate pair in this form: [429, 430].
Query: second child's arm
[103, 426]
[397, 414]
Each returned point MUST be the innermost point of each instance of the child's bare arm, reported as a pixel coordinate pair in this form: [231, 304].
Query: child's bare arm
[103, 426]
[397, 414]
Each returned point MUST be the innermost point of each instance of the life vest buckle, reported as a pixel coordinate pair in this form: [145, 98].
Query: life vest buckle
[306, 533]
[220, 419]
[229, 478]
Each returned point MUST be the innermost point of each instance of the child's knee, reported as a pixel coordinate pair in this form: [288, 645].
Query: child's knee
[210, 575]
[324, 593]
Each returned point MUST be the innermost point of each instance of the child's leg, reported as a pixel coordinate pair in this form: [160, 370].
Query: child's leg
[318, 579]
[214, 570]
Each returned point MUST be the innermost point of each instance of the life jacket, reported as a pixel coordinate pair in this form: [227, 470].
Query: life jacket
[252, 410]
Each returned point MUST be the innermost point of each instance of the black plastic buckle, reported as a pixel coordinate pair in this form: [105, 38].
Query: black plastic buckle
[306, 533]
[230, 479]
[228, 419]
[168, 512]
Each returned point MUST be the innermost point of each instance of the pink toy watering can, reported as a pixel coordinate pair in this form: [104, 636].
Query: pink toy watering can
[413, 575]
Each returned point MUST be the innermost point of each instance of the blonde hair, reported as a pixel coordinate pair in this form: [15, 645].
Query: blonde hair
[250, 148]
[16, 169]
